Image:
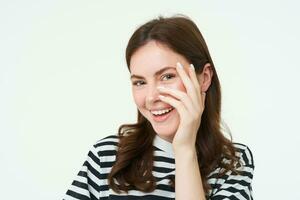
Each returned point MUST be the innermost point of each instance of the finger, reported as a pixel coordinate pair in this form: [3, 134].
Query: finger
[191, 91]
[182, 96]
[176, 104]
[195, 81]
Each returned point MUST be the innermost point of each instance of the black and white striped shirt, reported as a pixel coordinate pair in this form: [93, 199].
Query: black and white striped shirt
[91, 181]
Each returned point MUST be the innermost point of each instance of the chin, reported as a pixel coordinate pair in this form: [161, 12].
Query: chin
[166, 132]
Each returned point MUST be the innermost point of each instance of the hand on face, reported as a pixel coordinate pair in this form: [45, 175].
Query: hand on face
[189, 105]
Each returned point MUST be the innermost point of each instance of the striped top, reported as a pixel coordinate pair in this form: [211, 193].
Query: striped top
[91, 181]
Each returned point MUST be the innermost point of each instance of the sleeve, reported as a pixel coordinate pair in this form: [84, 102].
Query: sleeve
[86, 183]
[238, 186]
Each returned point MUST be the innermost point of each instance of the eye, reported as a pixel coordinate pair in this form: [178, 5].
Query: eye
[138, 83]
[168, 76]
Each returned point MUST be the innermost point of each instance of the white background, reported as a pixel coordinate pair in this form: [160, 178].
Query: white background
[64, 84]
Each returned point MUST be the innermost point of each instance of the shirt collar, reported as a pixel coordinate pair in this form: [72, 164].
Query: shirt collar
[164, 145]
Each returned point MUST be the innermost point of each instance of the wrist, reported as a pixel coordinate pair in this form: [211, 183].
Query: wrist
[186, 152]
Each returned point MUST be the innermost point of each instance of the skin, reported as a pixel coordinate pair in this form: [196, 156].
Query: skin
[184, 90]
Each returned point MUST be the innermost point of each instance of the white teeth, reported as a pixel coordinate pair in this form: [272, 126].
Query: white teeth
[160, 112]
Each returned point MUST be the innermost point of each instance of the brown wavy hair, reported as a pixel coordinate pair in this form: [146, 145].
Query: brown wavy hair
[134, 160]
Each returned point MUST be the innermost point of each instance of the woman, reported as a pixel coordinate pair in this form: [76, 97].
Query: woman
[177, 92]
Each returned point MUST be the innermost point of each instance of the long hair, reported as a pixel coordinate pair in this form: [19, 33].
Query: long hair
[134, 160]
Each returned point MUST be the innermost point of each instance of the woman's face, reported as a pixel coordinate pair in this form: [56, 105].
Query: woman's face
[154, 65]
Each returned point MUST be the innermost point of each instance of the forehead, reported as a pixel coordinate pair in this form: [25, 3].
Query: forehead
[152, 57]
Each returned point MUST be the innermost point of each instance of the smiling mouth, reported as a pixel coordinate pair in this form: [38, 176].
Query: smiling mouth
[161, 111]
[161, 116]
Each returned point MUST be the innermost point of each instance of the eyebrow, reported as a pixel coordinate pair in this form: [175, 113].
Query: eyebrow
[156, 73]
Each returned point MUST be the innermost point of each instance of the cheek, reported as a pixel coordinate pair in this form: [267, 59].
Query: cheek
[138, 98]
[178, 85]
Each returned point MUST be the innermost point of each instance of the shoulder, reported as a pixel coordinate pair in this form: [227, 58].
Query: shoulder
[103, 150]
[108, 140]
[234, 183]
[244, 154]
[106, 144]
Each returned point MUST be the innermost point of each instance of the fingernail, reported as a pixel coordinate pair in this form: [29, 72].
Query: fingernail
[179, 65]
[161, 96]
[192, 66]
[160, 87]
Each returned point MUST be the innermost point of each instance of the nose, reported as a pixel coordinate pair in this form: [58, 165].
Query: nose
[152, 96]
